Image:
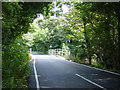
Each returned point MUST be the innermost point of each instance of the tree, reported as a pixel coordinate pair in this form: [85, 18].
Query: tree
[49, 33]
[103, 28]
[17, 16]
[16, 19]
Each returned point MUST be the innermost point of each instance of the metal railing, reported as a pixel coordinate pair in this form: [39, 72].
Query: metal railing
[60, 52]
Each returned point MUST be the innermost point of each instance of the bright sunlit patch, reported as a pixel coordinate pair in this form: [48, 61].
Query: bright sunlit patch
[40, 16]
[65, 8]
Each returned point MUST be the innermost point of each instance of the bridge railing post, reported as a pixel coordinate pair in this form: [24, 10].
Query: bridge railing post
[60, 52]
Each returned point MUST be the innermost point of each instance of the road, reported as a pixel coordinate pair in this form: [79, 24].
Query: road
[49, 71]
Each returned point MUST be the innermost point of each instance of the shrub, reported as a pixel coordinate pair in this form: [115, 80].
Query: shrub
[15, 65]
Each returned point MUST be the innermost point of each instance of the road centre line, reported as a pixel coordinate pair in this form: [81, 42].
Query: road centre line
[91, 67]
[90, 81]
[95, 68]
[36, 77]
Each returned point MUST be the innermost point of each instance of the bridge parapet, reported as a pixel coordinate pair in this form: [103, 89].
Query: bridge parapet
[60, 52]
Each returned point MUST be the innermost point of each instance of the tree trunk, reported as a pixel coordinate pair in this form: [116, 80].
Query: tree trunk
[87, 42]
[117, 59]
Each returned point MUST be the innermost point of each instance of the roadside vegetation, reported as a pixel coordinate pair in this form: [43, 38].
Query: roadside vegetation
[89, 31]
[15, 53]
[15, 65]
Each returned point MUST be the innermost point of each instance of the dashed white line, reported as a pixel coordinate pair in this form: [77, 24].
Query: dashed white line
[36, 77]
[93, 67]
[91, 81]
[96, 68]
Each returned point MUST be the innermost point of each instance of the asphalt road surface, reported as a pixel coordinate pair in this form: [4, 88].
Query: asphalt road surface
[49, 71]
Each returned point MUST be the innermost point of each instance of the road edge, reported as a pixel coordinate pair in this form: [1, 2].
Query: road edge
[89, 66]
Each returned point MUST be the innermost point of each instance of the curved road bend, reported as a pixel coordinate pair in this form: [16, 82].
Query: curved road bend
[49, 71]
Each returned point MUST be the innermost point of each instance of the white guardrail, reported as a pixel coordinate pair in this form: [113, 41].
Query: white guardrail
[59, 52]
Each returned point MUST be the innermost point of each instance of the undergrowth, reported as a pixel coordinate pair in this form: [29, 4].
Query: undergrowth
[15, 65]
[94, 64]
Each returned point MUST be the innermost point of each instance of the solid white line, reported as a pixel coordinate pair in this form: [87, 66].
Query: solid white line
[36, 77]
[90, 81]
[97, 68]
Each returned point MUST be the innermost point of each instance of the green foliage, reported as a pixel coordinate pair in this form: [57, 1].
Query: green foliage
[91, 31]
[17, 16]
[15, 22]
[15, 65]
[95, 32]
[48, 33]
[10, 13]
[100, 31]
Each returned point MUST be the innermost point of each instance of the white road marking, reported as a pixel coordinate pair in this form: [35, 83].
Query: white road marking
[90, 81]
[36, 77]
[96, 68]
[89, 66]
